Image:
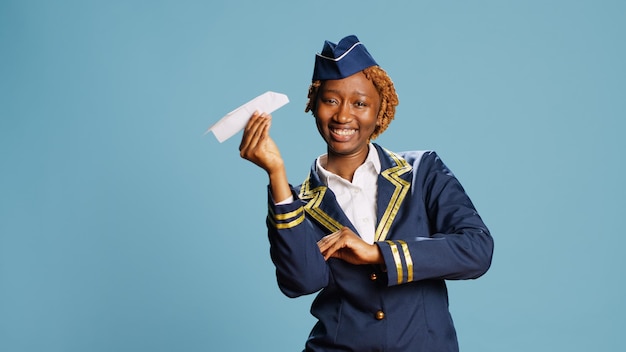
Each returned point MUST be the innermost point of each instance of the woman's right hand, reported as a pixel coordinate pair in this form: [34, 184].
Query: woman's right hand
[257, 145]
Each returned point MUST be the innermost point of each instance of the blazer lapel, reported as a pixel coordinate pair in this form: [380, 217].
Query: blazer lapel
[394, 182]
[322, 205]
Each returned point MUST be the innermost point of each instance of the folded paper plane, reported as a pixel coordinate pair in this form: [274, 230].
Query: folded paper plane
[236, 120]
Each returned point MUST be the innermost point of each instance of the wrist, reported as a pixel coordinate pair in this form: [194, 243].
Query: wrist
[279, 184]
[377, 255]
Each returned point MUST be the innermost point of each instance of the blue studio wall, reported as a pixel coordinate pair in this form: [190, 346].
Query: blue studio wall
[123, 228]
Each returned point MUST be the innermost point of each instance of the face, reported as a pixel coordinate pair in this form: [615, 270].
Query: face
[347, 114]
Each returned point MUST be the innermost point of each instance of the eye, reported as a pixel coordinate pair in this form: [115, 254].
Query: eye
[360, 104]
[329, 101]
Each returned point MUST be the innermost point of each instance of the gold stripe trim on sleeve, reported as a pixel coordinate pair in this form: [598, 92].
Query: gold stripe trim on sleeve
[407, 259]
[285, 216]
[287, 225]
[396, 259]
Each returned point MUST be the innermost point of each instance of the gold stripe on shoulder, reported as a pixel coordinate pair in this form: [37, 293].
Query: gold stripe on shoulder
[401, 189]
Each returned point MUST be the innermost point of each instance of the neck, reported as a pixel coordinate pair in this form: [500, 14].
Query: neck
[344, 166]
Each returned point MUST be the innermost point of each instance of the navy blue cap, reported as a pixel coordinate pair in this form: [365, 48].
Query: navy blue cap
[337, 61]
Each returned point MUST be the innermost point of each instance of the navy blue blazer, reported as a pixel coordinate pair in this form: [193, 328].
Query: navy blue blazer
[428, 231]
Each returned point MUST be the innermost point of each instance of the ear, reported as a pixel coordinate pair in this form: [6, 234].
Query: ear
[381, 112]
[379, 118]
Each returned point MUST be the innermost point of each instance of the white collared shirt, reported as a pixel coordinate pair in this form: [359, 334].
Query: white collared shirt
[357, 199]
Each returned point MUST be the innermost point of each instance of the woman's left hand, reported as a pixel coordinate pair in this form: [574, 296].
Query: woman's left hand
[348, 246]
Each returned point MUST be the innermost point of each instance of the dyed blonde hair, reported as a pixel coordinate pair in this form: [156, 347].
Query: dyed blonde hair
[384, 86]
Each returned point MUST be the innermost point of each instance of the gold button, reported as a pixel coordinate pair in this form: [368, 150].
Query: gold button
[380, 315]
[373, 276]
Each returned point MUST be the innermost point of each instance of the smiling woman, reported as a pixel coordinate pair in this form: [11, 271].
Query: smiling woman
[346, 117]
[377, 233]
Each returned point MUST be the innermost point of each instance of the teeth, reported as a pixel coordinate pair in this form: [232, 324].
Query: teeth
[344, 132]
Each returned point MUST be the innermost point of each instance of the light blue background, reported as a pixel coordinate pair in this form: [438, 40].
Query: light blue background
[123, 228]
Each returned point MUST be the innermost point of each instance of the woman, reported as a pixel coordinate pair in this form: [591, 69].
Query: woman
[377, 232]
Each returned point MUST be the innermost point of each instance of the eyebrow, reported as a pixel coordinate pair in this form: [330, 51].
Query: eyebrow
[339, 92]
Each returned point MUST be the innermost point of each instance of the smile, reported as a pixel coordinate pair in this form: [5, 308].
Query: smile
[344, 132]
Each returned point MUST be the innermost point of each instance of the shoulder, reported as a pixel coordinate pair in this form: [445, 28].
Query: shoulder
[415, 158]
[424, 163]
[420, 163]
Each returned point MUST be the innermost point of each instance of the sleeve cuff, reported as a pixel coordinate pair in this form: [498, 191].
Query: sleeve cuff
[397, 260]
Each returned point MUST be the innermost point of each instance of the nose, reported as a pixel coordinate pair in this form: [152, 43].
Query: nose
[343, 114]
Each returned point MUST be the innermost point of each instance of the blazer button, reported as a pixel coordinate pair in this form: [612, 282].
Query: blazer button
[373, 277]
[380, 315]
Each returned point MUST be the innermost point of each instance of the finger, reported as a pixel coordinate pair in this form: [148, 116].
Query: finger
[248, 131]
[253, 119]
[265, 128]
[253, 131]
[332, 244]
[327, 240]
[347, 246]
[330, 253]
[337, 249]
[257, 123]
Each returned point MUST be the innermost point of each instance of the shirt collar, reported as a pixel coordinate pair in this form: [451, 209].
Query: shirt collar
[372, 160]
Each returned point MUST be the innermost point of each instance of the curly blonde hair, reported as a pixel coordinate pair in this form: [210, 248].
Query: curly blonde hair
[384, 86]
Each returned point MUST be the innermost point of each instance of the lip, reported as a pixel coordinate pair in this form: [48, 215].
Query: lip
[343, 131]
[342, 134]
